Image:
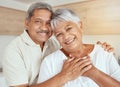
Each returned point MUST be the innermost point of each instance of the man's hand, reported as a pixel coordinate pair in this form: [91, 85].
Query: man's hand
[106, 46]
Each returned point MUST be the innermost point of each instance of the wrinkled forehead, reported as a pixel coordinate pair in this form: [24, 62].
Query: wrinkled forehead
[64, 25]
[60, 23]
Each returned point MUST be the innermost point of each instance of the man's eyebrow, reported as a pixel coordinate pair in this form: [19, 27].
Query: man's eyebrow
[38, 18]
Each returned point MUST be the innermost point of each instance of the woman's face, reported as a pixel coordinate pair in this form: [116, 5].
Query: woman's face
[69, 35]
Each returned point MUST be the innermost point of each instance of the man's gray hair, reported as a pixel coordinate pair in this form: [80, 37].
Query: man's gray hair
[38, 5]
[63, 15]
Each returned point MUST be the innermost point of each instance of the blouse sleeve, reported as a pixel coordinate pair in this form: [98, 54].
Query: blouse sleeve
[114, 67]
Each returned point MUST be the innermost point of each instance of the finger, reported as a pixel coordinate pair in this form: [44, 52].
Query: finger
[104, 45]
[76, 60]
[70, 59]
[98, 42]
[85, 57]
[70, 56]
[82, 63]
[108, 47]
[85, 69]
[111, 50]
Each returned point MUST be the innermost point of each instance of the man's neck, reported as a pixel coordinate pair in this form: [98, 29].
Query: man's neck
[42, 45]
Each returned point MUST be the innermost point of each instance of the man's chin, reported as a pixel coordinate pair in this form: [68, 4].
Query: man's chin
[43, 39]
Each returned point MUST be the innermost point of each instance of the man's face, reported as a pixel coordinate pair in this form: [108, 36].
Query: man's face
[69, 35]
[38, 26]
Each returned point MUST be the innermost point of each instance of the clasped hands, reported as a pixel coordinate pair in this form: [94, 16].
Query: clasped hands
[75, 67]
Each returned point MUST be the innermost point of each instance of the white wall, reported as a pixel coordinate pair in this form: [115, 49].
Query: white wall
[4, 40]
[113, 40]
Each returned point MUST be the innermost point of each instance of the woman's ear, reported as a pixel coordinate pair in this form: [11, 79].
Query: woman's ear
[80, 24]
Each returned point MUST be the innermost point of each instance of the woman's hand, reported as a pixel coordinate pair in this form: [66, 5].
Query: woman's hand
[101, 78]
[74, 67]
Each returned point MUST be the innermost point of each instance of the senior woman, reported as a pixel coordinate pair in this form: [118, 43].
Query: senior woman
[104, 70]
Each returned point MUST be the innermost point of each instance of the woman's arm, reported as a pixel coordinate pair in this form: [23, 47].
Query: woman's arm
[72, 68]
[109, 79]
[102, 79]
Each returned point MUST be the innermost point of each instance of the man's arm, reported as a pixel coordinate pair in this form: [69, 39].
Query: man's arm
[106, 46]
[56, 81]
[72, 68]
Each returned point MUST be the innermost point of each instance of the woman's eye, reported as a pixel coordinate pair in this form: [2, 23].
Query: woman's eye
[59, 34]
[69, 28]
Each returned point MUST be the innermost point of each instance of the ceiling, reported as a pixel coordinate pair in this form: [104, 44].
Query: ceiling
[23, 4]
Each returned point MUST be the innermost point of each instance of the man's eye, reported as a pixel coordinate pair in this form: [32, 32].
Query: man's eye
[37, 21]
[48, 23]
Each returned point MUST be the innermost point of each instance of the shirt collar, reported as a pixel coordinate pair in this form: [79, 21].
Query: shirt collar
[26, 38]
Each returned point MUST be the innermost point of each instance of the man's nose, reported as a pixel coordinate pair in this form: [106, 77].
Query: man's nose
[44, 26]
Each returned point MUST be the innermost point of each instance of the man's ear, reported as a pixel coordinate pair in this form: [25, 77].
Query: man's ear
[26, 23]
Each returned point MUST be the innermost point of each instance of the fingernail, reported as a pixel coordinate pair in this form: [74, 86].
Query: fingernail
[84, 57]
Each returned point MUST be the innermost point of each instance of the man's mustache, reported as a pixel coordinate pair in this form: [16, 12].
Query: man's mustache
[43, 31]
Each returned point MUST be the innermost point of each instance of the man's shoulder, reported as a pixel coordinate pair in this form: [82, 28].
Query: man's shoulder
[16, 43]
[53, 42]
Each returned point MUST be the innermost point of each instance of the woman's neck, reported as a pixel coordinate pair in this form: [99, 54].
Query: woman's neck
[80, 52]
[84, 50]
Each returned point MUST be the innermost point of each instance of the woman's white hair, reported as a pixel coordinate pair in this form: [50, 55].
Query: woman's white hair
[63, 15]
